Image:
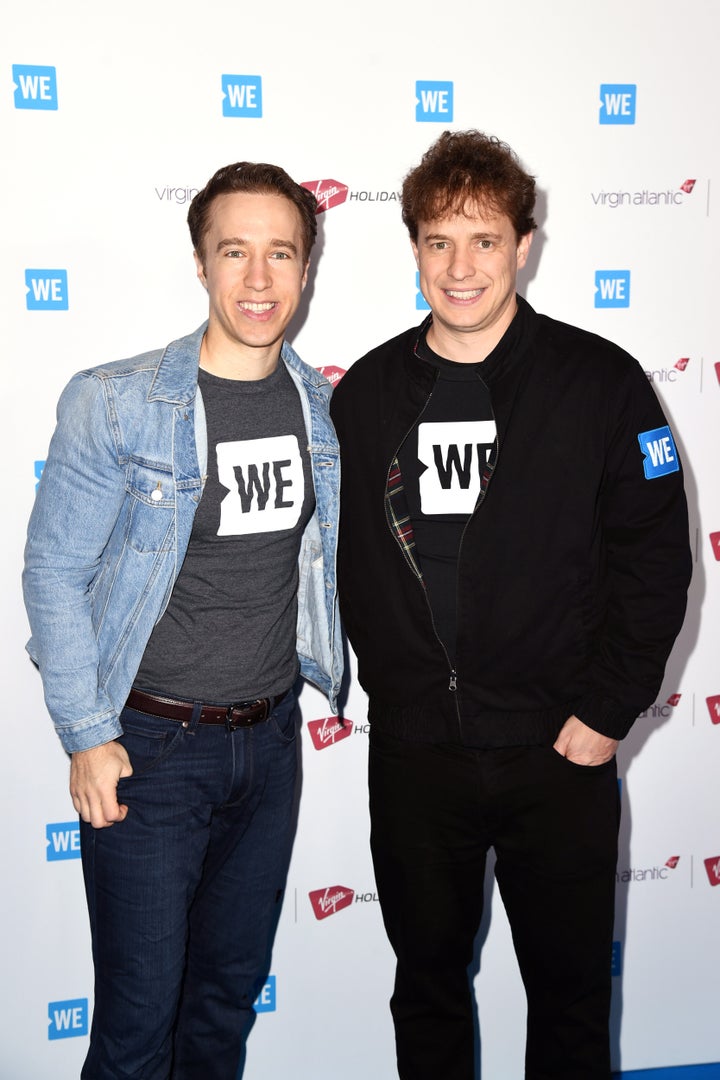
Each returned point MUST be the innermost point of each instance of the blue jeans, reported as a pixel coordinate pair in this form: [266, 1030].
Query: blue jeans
[184, 894]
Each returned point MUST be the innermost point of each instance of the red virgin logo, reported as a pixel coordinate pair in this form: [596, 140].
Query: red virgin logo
[326, 902]
[713, 704]
[328, 193]
[682, 363]
[713, 869]
[328, 731]
[673, 861]
[715, 541]
[332, 374]
[688, 186]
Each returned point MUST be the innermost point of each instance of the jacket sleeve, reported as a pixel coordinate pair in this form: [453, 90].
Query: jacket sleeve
[76, 507]
[647, 559]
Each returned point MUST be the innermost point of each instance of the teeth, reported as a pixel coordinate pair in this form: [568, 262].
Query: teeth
[248, 306]
[463, 295]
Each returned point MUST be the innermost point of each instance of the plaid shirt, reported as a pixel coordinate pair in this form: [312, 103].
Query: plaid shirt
[398, 516]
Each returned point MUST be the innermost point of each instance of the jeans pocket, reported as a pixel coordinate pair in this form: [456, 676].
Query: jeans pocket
[605, 766]
[149, 740]
[283, 719]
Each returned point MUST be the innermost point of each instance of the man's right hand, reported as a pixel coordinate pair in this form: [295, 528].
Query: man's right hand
[94, 775]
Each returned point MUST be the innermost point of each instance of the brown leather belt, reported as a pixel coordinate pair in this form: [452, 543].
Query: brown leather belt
[240, 714]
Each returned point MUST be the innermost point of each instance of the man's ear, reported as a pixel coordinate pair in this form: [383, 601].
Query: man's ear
[523, 249]
[200, 269]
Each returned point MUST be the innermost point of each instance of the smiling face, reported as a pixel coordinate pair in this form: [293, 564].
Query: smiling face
[468, 265]
[253, 267]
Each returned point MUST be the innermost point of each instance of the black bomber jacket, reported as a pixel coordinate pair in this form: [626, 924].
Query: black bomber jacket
[573, 568]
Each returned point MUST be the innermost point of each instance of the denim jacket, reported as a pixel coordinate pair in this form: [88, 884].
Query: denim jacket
[112, 521]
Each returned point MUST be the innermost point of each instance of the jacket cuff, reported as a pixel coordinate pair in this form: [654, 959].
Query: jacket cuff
[90, 733]
[604, 716]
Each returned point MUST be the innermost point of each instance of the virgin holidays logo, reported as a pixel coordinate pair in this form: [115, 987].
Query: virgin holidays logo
[328, 193]
[332, 374]
[328, 731]
[712, 867]
[327, 902]
[713, 704]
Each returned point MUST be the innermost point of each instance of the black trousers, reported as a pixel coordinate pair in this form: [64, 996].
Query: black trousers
[435, 812]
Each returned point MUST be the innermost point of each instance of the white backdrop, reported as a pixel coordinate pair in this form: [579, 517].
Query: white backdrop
[111, 117]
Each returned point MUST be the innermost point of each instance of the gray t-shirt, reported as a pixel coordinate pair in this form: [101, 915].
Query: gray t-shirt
[228, 633]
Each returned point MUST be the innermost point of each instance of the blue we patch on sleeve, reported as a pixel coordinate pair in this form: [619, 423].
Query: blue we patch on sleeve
[659, 452]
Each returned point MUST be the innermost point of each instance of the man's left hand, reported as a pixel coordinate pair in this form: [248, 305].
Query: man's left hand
[579, 743]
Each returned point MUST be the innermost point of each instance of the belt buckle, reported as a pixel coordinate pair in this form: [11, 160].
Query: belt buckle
[235, 722]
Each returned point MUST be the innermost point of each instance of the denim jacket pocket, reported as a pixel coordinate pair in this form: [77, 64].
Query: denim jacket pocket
[152, 509]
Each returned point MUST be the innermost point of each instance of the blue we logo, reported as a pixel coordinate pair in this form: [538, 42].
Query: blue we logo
[659, 453]
[266, 1000]
[618, 102]
[433, 102]
[421, 303]
[35, 87]
[612, 288]
[46, 290]
[67, 1019]
[62, 837]
[242, 95]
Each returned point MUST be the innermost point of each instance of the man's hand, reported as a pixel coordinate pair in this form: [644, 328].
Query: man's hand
[93, 783]
[579, 743]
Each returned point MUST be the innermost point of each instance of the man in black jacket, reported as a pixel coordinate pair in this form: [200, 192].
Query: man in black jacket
[513, 570]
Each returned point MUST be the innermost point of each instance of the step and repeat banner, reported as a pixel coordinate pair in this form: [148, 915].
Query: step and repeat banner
[112, 118]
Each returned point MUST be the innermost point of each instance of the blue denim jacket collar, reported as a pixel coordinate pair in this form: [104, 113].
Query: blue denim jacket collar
[175, 379]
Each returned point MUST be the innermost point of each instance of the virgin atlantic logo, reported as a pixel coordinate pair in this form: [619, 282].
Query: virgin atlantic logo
[326, 902]
[669, 196]
[664, 374]
[715, 541]
[328, 193]
[662, 710]
[328, 731]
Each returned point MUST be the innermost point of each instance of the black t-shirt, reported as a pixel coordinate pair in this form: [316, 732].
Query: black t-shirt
[441, 462]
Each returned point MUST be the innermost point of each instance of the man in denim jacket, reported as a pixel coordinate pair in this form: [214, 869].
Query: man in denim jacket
[180, 573]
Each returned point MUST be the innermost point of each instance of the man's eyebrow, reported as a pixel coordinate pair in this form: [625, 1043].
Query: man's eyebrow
[484, 235]
[284, 244]
[231, 241]
[239, 241]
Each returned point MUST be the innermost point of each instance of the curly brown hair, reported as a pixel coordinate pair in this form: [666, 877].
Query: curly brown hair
[256, 178]
[464, 167]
